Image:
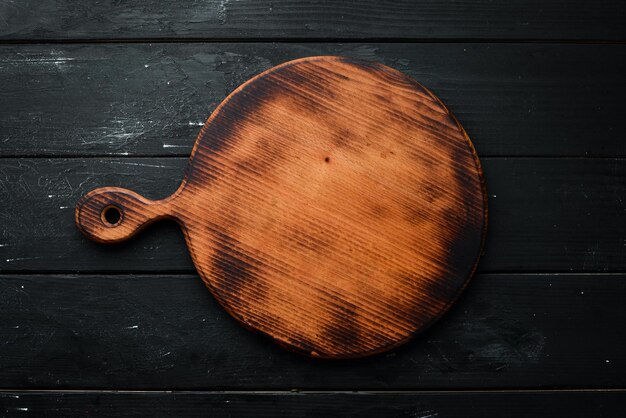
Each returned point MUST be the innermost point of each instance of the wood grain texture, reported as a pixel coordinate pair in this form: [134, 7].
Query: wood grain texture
[167, 332]
[301, 19]
[545, 215]
[572, 404]
[334, 205]
[151, 100]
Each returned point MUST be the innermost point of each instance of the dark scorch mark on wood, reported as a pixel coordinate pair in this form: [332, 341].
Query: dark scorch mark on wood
[234, 270]
[342, 328]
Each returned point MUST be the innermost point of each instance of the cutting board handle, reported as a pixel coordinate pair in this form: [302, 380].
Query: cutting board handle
[113, 214]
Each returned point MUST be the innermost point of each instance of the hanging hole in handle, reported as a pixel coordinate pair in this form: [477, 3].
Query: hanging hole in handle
[111, 215]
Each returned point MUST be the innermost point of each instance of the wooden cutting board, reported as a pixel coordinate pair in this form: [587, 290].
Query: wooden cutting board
[332, 204]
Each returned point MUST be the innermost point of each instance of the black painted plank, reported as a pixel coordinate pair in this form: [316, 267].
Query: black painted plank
[583, 404]
[167, 332]
[225, 19]
[140, 99]
[544, 215]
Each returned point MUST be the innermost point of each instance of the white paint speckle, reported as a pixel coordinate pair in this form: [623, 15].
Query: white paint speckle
[50, 196]
[133, 327]
[493, 195]
[582, 293]
[173, 146]
[54, 59]
[222, 11]
[63, 207]
[196, 123]
[21, 259]
[22, 409]
[606, 361]
[146, 65]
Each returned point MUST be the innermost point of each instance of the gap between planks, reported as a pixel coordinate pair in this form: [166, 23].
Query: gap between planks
[286, 40]
[180, 274]
[313, 392]
[128, 156]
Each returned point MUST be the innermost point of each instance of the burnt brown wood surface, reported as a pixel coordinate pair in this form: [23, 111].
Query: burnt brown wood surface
[333, 204]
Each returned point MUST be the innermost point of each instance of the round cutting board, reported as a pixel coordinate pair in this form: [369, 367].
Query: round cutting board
[332, 204]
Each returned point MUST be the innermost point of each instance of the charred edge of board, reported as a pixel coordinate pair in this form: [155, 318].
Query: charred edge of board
[224, 125]
[342, 330]
[296, 75]
[465, 246]
[462, 246]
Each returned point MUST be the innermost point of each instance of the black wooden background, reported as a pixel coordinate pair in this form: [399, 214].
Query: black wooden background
[111, 92]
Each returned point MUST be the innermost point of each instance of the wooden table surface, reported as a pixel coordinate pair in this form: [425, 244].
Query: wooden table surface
[113, 93]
